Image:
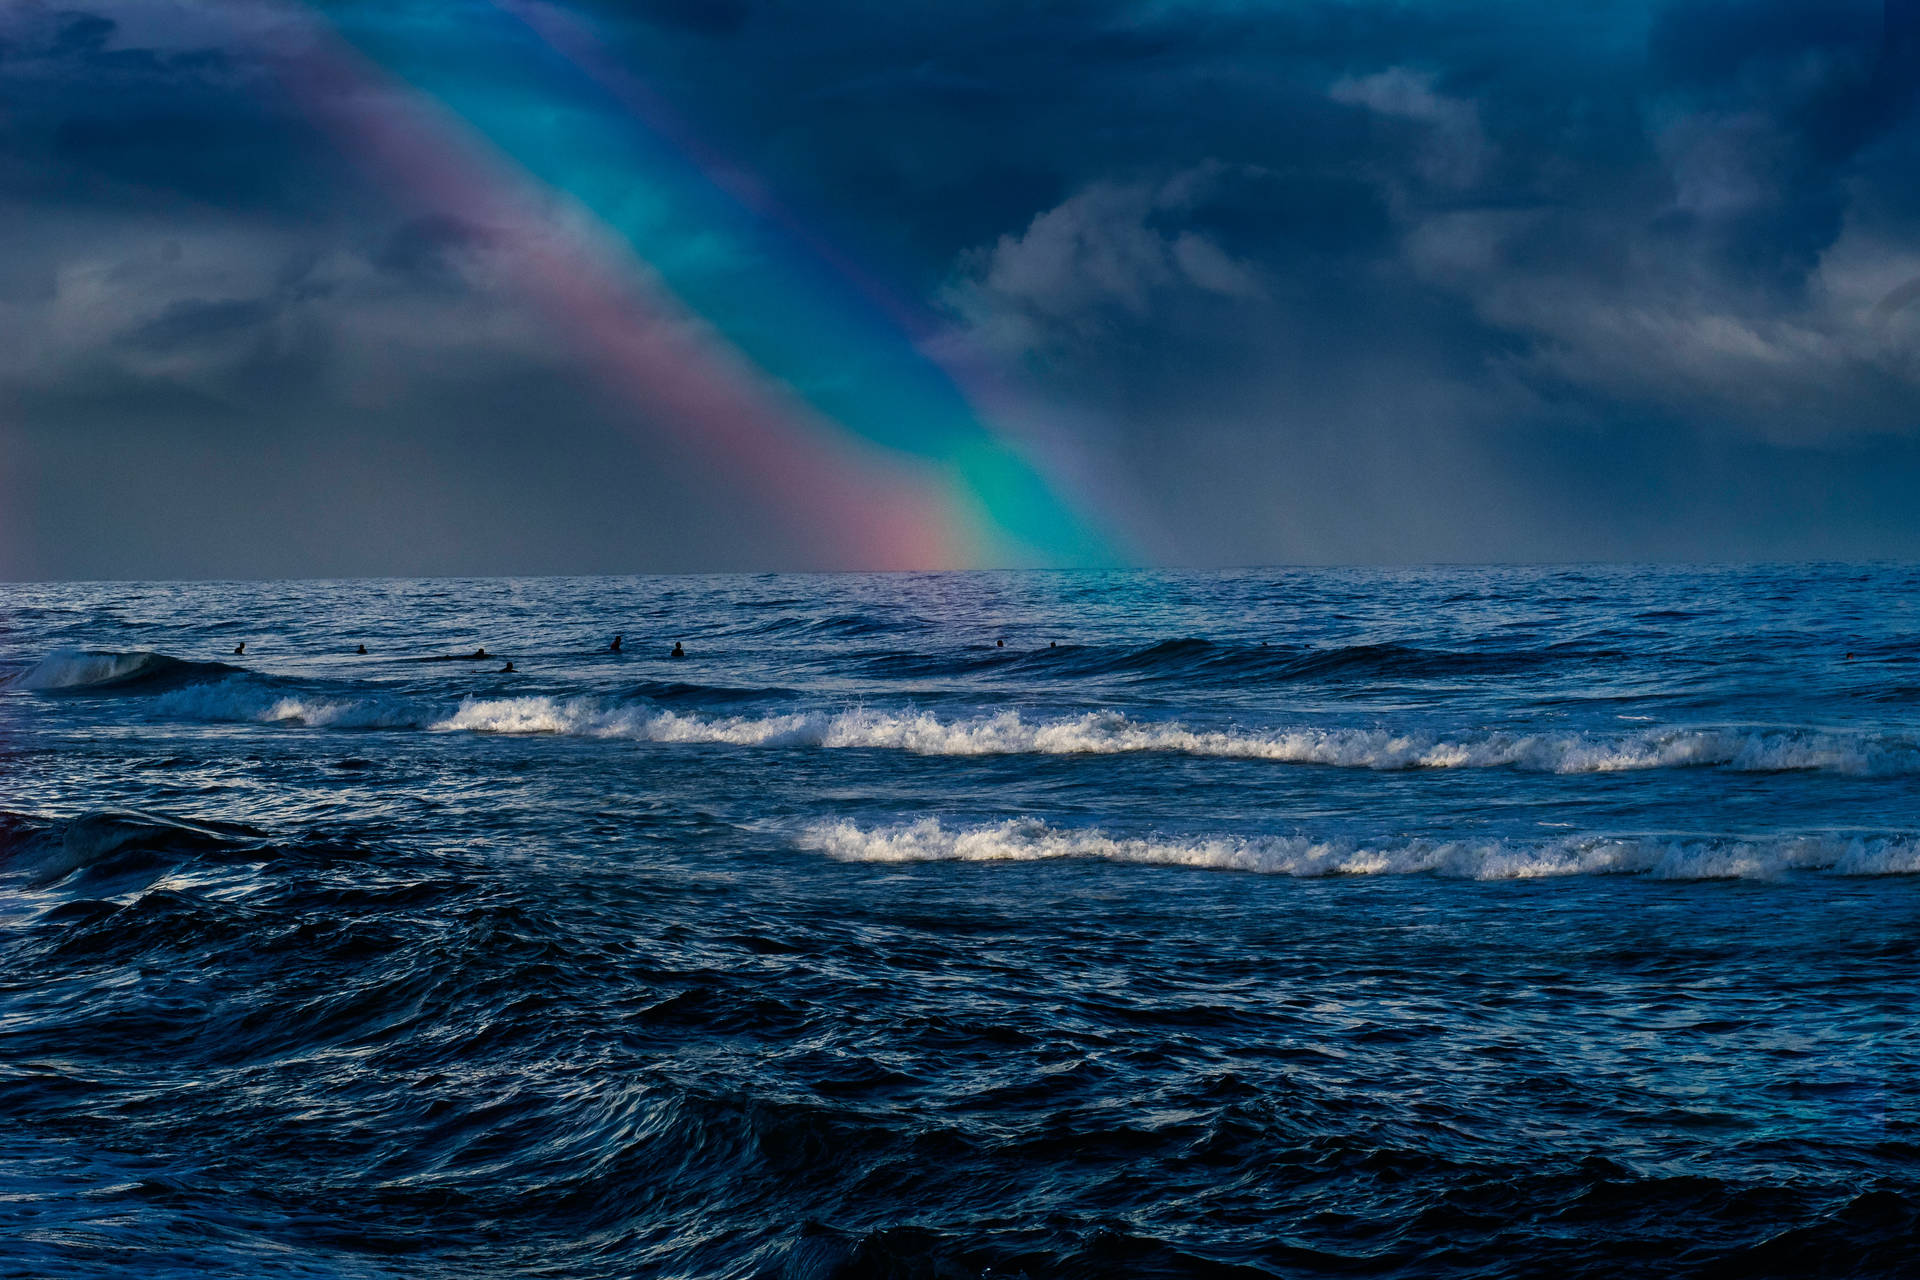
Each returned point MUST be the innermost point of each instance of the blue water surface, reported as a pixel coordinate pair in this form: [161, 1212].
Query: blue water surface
[1482, 922]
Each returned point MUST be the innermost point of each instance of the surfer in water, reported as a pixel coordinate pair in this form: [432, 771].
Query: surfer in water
[361, 650]
[615, 646]
[480, 653]
[506, 669]
[678, 652]
[240, 648]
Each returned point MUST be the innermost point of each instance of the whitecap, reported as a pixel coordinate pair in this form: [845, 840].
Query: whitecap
[1094, 733]
[1662, 857]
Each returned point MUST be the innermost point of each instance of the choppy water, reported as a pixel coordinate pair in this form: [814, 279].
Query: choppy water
[1503, 922]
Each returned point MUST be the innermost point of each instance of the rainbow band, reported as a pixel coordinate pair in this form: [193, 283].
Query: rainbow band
[697, 296]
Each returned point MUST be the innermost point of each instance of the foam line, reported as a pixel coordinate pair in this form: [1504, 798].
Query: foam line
[1663, 857]
[1111, 733]
[1095, 733]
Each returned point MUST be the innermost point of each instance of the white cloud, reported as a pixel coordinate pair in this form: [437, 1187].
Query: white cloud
[1648, 314]
[1106, 252]
[194, 306]
[1210, 268]
[1664, 329]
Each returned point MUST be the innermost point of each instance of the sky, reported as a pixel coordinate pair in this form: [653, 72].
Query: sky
[413, 287]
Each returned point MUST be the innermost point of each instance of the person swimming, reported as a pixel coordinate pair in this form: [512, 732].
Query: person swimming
[240, 648]
[678, 652]
[615, 646]
[361, 649]
[999, 644]
[504, 670]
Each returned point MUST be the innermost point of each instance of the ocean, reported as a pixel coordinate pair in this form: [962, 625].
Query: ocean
[1493, 922]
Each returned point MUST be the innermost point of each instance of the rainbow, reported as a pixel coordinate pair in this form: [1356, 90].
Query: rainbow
[715, 313]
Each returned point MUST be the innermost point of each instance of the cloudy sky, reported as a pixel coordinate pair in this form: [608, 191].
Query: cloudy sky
[490, 286]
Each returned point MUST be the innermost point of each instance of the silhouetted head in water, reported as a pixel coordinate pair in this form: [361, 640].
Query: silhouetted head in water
[240, 648]
[1053, 644]
[678, 652]
[615, 646]
[999, 644]
[507, 668]
[481, 652]
[361, 649]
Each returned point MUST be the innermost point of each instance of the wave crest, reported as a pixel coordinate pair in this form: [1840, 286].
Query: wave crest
[101, 839]
[242, 701]
[1191, 659]
[1111, 733]
[1091, 733]
[75, 669]
[1029, 840]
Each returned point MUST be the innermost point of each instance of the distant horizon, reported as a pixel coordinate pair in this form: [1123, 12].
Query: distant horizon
[1383, 566]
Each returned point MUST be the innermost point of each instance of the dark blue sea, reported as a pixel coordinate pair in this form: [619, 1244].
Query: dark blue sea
[1438, 922]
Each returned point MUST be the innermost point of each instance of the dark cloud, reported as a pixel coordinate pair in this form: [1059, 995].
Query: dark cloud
[196, 324]
[708, 17]
[433, 249]
[92, 121]
[82, 35]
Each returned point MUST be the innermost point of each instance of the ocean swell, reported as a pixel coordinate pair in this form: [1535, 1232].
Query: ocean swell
[1195, 660]
[101, 839]
[74, 670]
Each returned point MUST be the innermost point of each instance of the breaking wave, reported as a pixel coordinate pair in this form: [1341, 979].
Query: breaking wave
[1111, 733]
[76, 669]
[1675, 858]
[1093, 733]
[243, 701]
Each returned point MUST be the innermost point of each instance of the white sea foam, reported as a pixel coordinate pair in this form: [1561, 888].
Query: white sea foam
[583, 717]
[1029, 839]
[1094, 733]
[1110, 733]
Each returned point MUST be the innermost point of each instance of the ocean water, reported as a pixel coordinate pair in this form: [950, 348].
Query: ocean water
[1439, 922]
